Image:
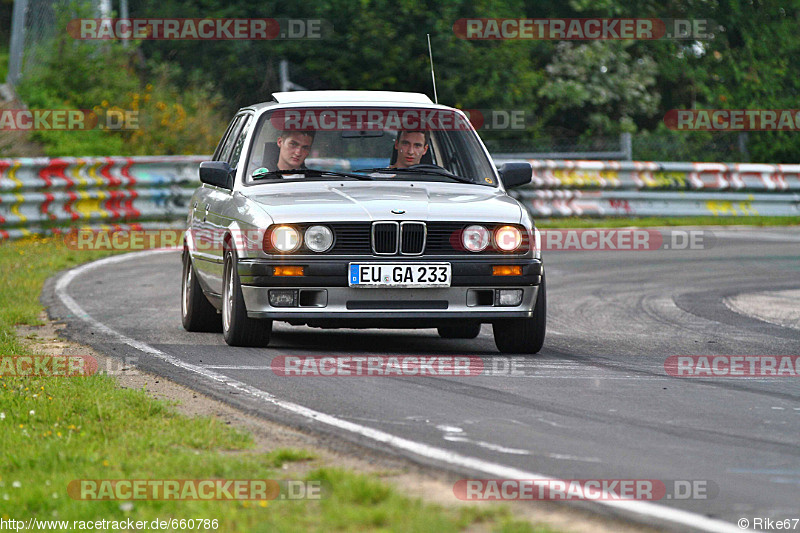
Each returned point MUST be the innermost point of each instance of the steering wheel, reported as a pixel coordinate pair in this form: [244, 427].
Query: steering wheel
[426, 166]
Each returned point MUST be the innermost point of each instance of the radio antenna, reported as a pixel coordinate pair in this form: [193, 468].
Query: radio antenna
[433, 76]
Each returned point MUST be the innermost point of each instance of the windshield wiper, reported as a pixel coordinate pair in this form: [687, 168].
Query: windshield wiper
[307, 172]
[421, 169]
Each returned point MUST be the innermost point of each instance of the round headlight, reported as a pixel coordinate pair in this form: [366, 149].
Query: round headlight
[285, 239]
[319, 238]
[475, 238]
[508, 238]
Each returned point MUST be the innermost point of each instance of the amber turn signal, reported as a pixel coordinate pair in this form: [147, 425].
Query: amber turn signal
[287, 271]
[506, 270]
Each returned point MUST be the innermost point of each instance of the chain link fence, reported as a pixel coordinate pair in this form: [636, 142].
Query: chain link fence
[34, 23]
[616, 147]
[706, 147]
[642, 146]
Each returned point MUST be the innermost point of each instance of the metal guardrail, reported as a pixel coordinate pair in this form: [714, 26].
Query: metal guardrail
[37, 195]
[43, 195]
[568, 174]
[646, 188]
[598, 203]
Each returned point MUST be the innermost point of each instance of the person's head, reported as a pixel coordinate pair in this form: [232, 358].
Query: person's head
[294, 147]
[411, 146]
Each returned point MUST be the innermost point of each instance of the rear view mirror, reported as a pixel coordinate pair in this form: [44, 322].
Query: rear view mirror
[346, 134]
[217, 173]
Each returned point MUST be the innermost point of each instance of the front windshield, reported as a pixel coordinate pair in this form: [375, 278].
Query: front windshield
[374, 143]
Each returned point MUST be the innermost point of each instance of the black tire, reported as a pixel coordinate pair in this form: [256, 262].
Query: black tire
[462, 331]
[523, 335]
[197, 313]
[237, 328]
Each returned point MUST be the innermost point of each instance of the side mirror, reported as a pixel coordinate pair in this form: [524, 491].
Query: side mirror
[217, 173]
[516, 174]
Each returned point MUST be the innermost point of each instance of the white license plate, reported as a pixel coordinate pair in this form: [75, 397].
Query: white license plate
[399, 275]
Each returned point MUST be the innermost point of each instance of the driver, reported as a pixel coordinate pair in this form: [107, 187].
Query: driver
[293, 148]
[411, 146]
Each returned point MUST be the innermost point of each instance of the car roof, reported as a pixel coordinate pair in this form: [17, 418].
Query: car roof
[382, 97]
[345, 97]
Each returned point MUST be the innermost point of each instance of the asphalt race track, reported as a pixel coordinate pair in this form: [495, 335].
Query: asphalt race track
[596, 403]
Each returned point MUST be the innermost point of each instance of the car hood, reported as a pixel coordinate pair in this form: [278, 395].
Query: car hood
[360, 201]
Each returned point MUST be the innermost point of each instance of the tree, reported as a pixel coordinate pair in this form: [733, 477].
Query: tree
[600, 87]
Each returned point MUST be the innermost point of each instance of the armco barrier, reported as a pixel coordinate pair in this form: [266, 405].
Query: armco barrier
[597, 203]
[39, 195]
[650, 175]
[647, 188]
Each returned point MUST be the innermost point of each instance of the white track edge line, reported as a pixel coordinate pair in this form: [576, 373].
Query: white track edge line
[644, 508]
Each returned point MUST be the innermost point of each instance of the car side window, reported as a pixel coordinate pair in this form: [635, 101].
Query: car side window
[224, 138]
[225, 153]
[239, 142]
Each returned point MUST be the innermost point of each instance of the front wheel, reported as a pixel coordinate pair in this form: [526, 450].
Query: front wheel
[523, 335]
[237, 328]
[197, 313]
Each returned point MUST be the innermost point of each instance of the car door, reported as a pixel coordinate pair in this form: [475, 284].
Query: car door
[219, 212]
[205, 224]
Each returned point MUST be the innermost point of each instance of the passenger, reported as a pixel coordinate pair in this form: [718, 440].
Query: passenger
[293, 148]
[411, 146]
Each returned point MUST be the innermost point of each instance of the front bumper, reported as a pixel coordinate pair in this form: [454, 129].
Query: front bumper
[323, 292]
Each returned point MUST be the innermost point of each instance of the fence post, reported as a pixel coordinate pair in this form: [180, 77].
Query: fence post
[626, 146]
[17, 42]
[123, 14]
[286, 83]
[743, 147]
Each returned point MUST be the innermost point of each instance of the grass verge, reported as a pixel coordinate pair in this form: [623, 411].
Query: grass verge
[56, 430]
[614, 222]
